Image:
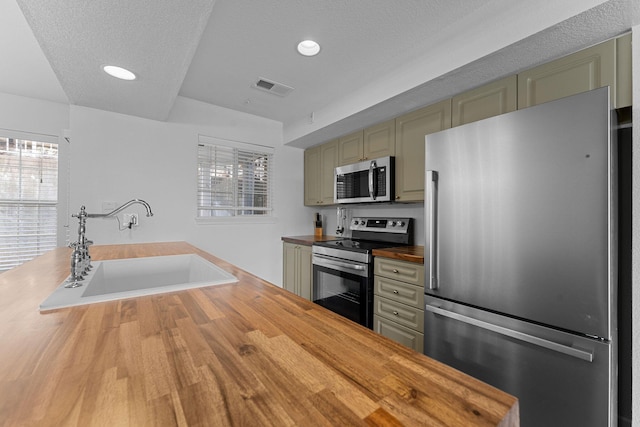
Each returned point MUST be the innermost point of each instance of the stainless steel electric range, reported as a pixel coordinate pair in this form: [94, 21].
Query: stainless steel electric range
[343, 269]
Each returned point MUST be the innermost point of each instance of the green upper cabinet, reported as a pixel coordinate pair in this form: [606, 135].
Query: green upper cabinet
[605, 64]
[623, 72]
[490, 100]
[350, 148]
[410, 132]
[319, 165]
[379, 140]
[371, 143]
[328, 163]
[312, 176]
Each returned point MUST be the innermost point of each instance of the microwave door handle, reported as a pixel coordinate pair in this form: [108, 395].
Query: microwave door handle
[372, 187]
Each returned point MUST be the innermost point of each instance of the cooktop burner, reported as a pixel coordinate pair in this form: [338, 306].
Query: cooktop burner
[355, 245]
[368, 234]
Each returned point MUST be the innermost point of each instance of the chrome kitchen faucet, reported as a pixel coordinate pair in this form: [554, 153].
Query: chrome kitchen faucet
[80, 257]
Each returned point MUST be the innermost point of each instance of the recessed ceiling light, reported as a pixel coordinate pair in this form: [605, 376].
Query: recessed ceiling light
[119, 72]
[308, 48]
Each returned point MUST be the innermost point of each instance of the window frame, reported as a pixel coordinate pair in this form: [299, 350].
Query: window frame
[30, 203]
[268, 217]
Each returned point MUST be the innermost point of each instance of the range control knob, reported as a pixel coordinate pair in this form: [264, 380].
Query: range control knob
[361, 222]
[400, 223]
[355, 222]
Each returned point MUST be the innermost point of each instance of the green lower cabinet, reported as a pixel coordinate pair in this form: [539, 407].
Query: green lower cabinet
[401, 334]
[297, 269]
[398, 301]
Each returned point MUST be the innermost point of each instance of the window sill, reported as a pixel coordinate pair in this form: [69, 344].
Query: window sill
[236, 220]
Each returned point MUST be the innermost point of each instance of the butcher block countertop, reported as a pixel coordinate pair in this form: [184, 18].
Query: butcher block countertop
[243, 354]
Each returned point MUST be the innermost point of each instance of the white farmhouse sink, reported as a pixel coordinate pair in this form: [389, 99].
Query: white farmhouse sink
[133, 277]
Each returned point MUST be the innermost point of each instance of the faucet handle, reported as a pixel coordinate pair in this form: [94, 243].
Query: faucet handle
[81, 214]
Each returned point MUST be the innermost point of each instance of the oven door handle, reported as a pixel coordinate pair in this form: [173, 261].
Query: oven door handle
[341, 265]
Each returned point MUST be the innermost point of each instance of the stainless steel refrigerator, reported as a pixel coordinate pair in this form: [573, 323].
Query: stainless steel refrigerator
[521, 257]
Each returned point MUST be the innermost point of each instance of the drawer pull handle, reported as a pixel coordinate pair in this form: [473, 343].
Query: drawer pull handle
[395, 313]
[395, 291]
[395, 271]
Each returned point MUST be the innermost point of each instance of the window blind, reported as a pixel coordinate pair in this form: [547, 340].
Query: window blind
[233, 181]
[28, 200]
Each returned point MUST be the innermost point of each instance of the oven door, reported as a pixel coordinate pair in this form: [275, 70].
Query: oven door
[344, 287]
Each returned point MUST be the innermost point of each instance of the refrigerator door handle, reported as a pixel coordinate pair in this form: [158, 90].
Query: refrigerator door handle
[432, 180]
[531, 339]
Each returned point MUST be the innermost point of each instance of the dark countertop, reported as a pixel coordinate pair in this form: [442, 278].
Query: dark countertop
[404, 253]
[308, 240]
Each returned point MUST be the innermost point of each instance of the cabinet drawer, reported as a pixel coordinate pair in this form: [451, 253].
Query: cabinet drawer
[409, 272]
[402, 314]
[395, 290]
[399, 333]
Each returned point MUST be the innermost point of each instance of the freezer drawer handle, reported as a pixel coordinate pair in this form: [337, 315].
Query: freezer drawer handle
[561, 348]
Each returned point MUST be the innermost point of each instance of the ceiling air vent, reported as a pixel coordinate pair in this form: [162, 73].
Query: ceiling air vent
[272, 87]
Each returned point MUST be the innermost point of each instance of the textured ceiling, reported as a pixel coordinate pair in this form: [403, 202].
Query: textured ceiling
[379, 58]
[259, 38]
[154, 39]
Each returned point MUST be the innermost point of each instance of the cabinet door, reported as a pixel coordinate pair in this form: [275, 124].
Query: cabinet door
[305, 269]
[399, 333]
[490, 100]
[380, 140]
[289, 269]
[623, 72]
[410, 132]
[409, 272]
[297, 269]
[579, 72]
[350, 148]
[328, 163]
[312, 176]
[399, 313]
[399, 291]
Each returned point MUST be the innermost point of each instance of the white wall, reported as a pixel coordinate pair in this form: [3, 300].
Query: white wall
[116, 158]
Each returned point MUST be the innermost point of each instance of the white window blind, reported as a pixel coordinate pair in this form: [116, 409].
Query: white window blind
[28, 200]
[234, 179]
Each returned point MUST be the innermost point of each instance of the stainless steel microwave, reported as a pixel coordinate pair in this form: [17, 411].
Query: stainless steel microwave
[363, 182]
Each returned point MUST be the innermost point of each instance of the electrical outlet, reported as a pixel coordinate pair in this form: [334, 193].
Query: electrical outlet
[130, 220]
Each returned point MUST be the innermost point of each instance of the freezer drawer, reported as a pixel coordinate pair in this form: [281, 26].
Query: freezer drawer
[560, 378]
